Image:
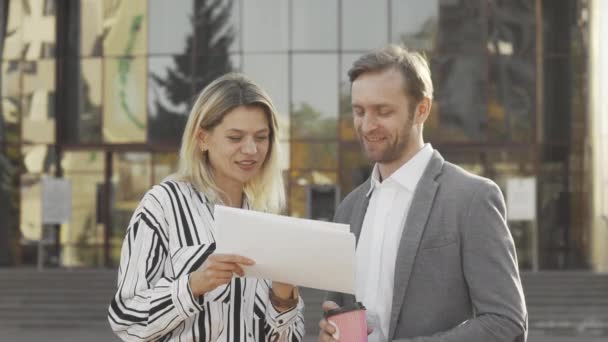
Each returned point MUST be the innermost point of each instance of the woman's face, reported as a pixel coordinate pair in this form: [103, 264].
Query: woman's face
[238, 146]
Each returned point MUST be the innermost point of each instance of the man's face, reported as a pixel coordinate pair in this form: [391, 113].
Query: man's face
[382, 115]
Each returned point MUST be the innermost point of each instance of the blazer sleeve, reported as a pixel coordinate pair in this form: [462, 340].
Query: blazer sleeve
[490, 266]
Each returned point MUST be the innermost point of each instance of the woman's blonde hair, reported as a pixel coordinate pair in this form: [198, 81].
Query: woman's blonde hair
[265, 191]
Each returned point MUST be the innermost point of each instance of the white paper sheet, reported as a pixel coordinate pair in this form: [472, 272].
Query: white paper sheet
[297, 251]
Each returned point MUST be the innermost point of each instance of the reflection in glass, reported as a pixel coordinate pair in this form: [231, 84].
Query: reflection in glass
[169, 98]
[270, 71]
[284, 155]
[355, 168]
[307, 155]
[173, 80]
[83, 161]
[91, 92]
[511, 47]
[124, 109]
[82, 238]
[300, 182]
[219, 21]
[347, 130]
[164, 165]
[460, 97]
[132, 176]
[13, 44]
[170, 26]
[460, 27]
[10, 102]
[125, 27]
[315, 25]
[38, 158]
[38, 29]
[314, 110]
[91, 27]
[415, 23]
[265, 25]
[30, 222]
[38, 124]
[364, 24]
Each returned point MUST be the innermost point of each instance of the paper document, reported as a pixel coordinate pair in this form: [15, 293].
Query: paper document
[297, 251]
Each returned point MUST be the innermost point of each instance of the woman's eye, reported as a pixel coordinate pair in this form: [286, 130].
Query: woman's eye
[235, 139]
[261, 138]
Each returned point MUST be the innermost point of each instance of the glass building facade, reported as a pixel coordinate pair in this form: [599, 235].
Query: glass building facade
[98, 92]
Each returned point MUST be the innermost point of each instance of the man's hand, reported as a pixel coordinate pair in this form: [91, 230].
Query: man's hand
[327, 330]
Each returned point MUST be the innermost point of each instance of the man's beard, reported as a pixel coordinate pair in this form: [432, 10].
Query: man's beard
[392, 152]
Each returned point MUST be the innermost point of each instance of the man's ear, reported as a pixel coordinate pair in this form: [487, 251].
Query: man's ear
[423, 109]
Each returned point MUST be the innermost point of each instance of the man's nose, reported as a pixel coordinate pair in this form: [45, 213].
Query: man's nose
[368, 123]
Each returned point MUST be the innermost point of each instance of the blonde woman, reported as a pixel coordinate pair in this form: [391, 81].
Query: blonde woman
[171, 284]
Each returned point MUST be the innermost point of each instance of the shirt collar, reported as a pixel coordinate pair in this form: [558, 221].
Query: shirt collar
[408, 174]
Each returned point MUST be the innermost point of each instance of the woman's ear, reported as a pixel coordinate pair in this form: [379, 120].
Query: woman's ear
[202, 136]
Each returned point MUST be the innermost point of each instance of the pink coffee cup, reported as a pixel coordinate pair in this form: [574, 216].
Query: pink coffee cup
[350, 323]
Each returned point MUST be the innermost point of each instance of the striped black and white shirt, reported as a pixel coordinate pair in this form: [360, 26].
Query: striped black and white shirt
[169, 236]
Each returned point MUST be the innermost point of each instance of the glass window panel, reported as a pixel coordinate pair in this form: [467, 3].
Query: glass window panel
[315, 24]
[82, 238]
[297, 200]
[91, 27]
[91, 93]
[414, 23]
[271, 72]
[83, 161]
[170, 26]
[127, 23]
[209, 67]
[313, 177]
[355, 168]
[460, 98]
[38, 158]
[11, 102]
[165, 164]
[124, 110]
[284, 155]
[347, 129]
[30, 221]
[39, 29]
[460, 28]
[13, 40]
[224, 32]
[265, 25]
[38, 124]
[364, 24]
[314, 109]
[169, 98]
[307, 155]
[132, 176]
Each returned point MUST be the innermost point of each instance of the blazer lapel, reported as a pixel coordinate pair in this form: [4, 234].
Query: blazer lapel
[359, 209]
[422, 202]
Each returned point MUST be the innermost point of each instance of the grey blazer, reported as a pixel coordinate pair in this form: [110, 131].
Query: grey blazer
[456, 273]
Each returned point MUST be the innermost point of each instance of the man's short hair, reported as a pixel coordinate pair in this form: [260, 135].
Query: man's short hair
[413, 66]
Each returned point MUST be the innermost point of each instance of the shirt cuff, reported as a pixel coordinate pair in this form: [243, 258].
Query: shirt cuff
[185, 303]
[277, 319]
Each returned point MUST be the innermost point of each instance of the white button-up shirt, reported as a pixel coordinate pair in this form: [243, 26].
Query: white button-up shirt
[380, 238]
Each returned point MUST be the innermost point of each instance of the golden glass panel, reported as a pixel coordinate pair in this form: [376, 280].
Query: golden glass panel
[132, 176]
[284, 155]
[124, 110]
[355, 168]
[89, 124]
[83, 232]
[13, 40]
[11, 98]
[165, 164]
[308, 155]
[38, 124]
[91, 27]
[313, 177]
[126, 23]
[297, 200]
[38, 28]
[38, 158]
[30, 221]
[83, 161]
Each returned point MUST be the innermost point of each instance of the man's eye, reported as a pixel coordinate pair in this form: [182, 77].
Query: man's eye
[235, 139]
